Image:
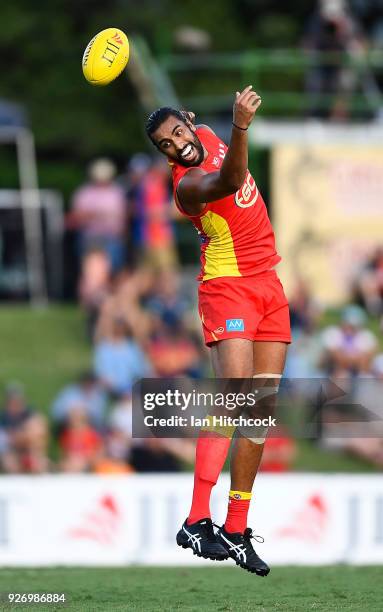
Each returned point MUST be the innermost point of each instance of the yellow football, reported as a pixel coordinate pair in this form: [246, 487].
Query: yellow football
[105, 56]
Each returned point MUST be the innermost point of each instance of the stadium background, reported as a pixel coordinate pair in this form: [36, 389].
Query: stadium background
[89, 306]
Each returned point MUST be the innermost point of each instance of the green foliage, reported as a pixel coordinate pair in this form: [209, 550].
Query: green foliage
[41, 48]
[44, 44]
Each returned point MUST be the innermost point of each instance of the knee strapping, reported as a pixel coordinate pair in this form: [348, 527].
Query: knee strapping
[257, 434]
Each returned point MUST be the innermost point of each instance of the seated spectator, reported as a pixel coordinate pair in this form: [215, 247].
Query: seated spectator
[303, 357]
[369, 284]
[304, 352]
[23, 435]
[143, 455]
[348, 348]
[304, 311]
[124, 303]
[166, 302]
[88, 393]
[119, 435]
[369, 396]
[119, 361]
[80, 444]
[117, 440]
[175, 353]
[36, 441]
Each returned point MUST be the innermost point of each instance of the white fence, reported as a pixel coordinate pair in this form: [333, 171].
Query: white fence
[118, 520]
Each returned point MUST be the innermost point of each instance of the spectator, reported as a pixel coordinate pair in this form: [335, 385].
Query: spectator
[99, 214]
[144, 455]
[303, 354]
[94, 285]
[88, 393]
[362, 435]
[369, 284]
[304, 311]
[124, 303]
[23, 435]
[157, 230]
[119, 436]
[166, 302]
[119, 360]
[348, 348]
[175, 353]
[150, 196]
[80, 444]
[132, 182]
[331, 31]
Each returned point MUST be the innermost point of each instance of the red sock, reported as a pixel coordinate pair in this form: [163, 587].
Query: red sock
[211, 453]
[237, 511]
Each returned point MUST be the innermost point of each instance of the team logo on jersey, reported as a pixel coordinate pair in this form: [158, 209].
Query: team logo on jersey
[233, 325]
[219, 330]
[248, 194]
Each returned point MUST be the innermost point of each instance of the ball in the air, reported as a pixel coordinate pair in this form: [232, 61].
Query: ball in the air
[105, 56]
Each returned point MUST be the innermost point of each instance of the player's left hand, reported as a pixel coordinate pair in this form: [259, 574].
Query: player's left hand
[245, 106]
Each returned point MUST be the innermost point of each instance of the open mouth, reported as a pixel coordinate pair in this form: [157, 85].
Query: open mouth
[188, 152]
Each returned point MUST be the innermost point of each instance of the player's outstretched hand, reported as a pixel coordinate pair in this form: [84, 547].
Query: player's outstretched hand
[245, 106]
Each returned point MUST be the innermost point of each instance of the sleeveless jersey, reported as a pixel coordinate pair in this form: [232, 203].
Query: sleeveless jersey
[235, 232]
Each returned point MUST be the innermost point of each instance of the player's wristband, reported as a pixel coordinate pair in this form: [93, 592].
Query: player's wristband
[237, 126]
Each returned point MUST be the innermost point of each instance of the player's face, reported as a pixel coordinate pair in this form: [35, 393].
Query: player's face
[177, 141]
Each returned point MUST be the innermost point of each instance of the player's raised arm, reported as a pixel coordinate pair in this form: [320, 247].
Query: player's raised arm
[198, 187]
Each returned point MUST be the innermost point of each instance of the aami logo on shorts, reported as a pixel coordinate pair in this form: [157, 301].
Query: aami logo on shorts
[235, 325]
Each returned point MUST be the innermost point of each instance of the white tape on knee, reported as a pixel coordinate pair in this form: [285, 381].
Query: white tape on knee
[262, 392]
[262, 431]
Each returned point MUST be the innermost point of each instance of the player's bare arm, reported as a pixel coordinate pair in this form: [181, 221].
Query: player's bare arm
[198, 187]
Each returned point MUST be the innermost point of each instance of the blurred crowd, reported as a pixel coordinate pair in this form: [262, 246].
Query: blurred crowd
[142, 321]
[347, 351]
[337, 38]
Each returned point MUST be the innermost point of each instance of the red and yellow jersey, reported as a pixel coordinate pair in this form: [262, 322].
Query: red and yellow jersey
[237, 238]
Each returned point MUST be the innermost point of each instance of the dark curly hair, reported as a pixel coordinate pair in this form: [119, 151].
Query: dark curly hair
[160, 115]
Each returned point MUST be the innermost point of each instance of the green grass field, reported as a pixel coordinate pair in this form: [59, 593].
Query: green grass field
[192, 589]
[42, 348]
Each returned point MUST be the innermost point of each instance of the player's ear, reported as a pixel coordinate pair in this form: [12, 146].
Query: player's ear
[189, 119]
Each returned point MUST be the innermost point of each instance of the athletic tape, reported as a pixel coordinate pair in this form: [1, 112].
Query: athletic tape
[262, 392]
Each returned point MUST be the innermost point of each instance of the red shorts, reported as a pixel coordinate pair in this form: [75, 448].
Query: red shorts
[251, 307]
